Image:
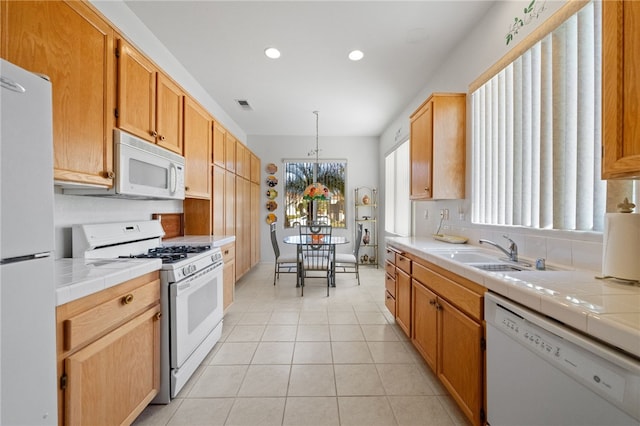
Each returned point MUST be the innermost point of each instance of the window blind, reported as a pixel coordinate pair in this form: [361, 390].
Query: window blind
[536, 133]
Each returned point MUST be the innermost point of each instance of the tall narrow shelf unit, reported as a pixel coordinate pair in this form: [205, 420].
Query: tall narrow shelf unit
[366, 213]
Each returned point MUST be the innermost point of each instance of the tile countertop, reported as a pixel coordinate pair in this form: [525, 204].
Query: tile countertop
[603, 309]
[214, 240]
[76, 278]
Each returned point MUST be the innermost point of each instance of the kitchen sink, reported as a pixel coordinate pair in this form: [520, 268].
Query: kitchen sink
[497, 267]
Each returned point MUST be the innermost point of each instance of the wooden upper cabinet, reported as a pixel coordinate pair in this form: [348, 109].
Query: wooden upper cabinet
[230, 152]
[72, 45]
[169, 105]
[219, 134]
[242, 168]
[621, 89]
[149, 103]
[437, 147]
[254, 175]
[197, 150]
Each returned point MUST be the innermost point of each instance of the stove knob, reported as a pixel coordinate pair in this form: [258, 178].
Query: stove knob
[185, 270]
[192, 268]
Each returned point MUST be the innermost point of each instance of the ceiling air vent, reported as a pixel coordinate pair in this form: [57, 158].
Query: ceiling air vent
[244, 104]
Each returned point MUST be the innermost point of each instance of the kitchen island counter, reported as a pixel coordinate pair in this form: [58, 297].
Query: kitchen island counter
[76, 278]
[605, 310]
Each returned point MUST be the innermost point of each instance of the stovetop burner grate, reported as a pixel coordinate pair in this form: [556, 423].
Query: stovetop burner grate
[169, 254]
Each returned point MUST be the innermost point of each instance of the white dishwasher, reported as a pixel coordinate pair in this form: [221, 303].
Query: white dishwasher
[540, 372]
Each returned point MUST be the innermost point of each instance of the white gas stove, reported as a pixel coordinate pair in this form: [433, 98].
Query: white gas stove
[190, 326]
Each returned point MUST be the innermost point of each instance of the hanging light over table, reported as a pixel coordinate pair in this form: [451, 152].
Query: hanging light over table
[316, 191]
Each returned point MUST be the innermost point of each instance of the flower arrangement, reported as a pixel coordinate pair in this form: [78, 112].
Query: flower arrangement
[316, 191]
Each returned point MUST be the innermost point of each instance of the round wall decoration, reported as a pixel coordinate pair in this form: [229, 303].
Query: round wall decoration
[272, 181]
[271, 168]
[272, 194]
[271, 218]
[271, 205]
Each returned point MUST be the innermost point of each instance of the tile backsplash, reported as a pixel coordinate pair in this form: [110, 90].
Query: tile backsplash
[575, 249]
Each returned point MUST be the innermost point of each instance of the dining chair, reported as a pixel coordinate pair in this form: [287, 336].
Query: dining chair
[284, 264]
[316, 254]
[348, 262]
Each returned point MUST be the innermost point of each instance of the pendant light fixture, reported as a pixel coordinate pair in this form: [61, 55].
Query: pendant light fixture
[316, 191]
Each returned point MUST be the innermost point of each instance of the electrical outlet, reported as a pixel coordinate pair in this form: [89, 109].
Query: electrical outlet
[445, 214]
[426, 214]
[441, 213]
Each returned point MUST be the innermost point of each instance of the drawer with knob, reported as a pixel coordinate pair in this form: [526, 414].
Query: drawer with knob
[84, 327]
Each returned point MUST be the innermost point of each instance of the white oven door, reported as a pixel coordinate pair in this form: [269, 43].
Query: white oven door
[196, 309]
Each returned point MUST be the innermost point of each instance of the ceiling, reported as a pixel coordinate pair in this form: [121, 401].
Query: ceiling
[222, 43]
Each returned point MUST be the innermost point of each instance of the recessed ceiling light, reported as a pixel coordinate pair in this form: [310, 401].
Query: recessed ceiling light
[272, 52]
[356, 55]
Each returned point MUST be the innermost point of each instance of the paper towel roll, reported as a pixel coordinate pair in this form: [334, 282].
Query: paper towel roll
[621, 246]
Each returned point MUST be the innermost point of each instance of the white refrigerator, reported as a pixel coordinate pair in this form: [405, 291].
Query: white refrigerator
[28, 390]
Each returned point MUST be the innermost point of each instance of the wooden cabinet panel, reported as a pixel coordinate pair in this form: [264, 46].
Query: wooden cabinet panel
[113, 379]
[460, 366]
[255, 224]
[197, 146]
[243, 226]
[241, 165]
[218, 201]
[229, 274]
[74, 47]
[421, 149]
[230, 152]
[136, 93]
[169, 112]
[424, 334]
[403, 263]
[403, 301]
[437, 147]
[219, 145]
[255, 168]
[390, 282]
[108, 353]
[95, 321]
[229, 203]
[150, 104]
[621, 90]
[390, 303]
[468, 301]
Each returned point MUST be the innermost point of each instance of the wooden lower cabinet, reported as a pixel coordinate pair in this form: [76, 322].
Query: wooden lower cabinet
[443, 314]
[460, 359]
[425, 328]
[228, 274]
[108, 346]
[403, 301]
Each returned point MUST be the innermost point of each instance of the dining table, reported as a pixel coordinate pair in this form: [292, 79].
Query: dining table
[300, 241]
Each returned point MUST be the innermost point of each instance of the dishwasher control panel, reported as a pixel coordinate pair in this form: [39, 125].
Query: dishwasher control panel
[586, 367]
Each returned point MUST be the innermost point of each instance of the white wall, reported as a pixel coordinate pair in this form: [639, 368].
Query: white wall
[361, 154]
[484, 46]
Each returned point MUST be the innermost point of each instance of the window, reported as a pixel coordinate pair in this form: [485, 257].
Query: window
[537, 134]
[397, 210]
[298, 175]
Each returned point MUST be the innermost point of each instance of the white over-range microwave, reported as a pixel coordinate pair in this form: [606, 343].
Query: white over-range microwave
[142, 171]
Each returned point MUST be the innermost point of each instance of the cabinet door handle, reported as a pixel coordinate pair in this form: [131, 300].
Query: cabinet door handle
[162, 137]
[154, 133]
[127, 299]
[109, 175]
[226, 252]
[158, 315]
[438, 307]
[432, 302]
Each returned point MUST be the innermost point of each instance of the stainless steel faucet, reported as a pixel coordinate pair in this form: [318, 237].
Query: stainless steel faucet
[512, 253]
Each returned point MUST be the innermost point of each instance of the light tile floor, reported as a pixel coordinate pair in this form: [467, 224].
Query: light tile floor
[313, 360]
